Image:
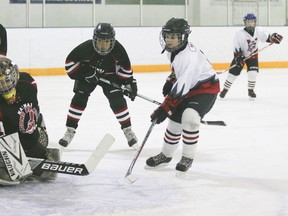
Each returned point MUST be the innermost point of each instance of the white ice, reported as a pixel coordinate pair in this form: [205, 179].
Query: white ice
[241, 169]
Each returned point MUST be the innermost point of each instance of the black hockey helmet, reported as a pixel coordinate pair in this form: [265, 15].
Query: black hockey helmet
[250, 22]
[9, 75]
[178, 27]
[104, 31]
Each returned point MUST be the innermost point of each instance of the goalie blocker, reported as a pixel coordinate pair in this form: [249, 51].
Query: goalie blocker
[18, 166]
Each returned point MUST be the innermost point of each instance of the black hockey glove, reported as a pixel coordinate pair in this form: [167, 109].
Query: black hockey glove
[131, 89]
[93, 79]
[167, 88]
[239, 60]
[159, 114]
[275, 38]
[92, 76]
[169, 84]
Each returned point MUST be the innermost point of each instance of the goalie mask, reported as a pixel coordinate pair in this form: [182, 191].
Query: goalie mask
[104, 38]
[250, 22]
[9, 75]
[175, 28]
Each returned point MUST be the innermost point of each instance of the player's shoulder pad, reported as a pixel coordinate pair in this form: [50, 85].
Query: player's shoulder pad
[26, 77]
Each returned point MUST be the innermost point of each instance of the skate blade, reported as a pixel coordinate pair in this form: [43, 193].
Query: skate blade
[130, 179]
[135, 147]
[180, 174]
[157, 167]
[252, 99]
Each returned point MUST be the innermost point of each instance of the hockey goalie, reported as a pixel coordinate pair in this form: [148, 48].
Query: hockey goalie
[22, 128]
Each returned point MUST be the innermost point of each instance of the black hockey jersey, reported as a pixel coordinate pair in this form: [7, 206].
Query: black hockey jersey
[22, 116]
[3, 41]
[83, 57]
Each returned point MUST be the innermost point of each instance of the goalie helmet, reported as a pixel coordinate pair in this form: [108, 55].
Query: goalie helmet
[250, 22]
[103, 38]
[175, 27]
[9, 75]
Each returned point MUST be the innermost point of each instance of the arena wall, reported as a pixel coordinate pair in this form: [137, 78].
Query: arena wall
[42, 51]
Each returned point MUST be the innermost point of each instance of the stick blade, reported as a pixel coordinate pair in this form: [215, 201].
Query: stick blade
[99, 152]
[214, 123]
[130, 179]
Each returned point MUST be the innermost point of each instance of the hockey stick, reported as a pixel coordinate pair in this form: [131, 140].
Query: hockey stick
[245, 59]
[125, 89]
[87, 168]
[129, 177]
[216, 123]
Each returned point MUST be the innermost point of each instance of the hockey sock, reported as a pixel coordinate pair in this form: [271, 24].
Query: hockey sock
[252, 76]
[190, 134]
[171, 138]
[229, 81]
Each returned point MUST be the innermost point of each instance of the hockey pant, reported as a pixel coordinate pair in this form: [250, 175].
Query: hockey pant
[82, 91]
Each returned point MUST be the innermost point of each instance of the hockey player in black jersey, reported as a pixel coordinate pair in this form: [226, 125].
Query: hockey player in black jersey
[20, 113]
[3, 41]
[103, 56]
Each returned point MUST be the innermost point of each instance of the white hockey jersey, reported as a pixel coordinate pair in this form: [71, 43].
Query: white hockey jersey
[191, 68]
[194, 75]
[247, 43]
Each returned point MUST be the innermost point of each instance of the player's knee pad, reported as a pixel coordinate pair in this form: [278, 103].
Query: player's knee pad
[82, 87]
[231, 77]
[190, 120]
[174, 127]
[252, 75]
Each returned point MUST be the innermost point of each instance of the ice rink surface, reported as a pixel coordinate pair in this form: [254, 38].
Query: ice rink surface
[240, 169]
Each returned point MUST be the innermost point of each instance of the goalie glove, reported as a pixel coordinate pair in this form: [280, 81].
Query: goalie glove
[131, 88]
[275, 38]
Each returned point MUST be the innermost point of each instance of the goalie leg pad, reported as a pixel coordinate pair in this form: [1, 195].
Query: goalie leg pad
[5, 179]
[13, 157]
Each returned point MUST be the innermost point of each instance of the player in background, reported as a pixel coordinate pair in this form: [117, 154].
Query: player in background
[190, 92]
[103, 56]
[3, 41]
[20, 113]
[246, 43]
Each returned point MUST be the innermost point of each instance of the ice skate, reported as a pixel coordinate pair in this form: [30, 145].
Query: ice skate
[184, 164]
[223, 93]
[251, 94]
[131, 137]
[68, 136]
[157, 161]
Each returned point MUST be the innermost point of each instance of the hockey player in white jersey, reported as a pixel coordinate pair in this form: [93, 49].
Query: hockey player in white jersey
[246, 43]
[190, 92]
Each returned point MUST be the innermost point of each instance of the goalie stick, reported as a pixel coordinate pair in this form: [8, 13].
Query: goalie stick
[129, 177]
[216, 123]
[84, 169]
